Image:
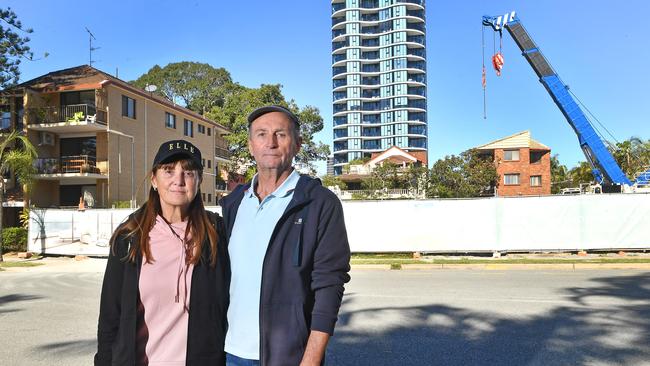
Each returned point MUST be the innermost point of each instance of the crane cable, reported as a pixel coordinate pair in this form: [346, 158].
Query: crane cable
[483, 76]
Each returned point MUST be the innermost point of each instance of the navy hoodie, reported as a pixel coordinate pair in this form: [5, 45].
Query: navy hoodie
[305, 267]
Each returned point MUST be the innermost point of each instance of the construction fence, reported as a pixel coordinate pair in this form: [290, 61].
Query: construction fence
[547, 223]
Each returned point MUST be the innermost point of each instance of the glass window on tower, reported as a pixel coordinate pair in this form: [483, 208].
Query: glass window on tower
[399, 11]
[354, 105]
[401, 141]
[352, 28]
[400, 75]
[386, 91]
[401, 102]
[384, 14]
[386, 52]
[353, 79]
[351, 3]
[353, 41]
[352, 15]
[386, 117]
[353, 92]
[352, 54]
[383, 3]
[386, 78]
[353, 66]
[399, 24]
[401, 89]
[399, 50]
[385, 40]
[399, 37]
[401, 115]
[354, 118]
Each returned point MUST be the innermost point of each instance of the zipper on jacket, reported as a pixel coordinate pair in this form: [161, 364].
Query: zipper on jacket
[283, 218]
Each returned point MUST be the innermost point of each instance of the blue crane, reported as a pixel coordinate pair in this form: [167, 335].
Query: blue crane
[604, 167]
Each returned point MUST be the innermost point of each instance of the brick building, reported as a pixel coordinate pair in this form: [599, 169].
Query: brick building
[523, 165]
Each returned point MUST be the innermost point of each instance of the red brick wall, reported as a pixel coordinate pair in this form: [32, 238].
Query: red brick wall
[525, 170]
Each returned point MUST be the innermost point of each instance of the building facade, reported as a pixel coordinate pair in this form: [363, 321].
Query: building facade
[378, 78]
[523, 165]
[97, 135]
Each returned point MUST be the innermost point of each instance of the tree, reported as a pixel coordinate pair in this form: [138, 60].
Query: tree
[469, 175]
[13, 47]
[197, 86]
[211, 92]
[17, 154]
[559, 175]
[582, 173]
[333, 181]
[242, 101]
[632, 155]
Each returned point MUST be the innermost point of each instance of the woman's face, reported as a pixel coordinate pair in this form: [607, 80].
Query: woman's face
[176, 186]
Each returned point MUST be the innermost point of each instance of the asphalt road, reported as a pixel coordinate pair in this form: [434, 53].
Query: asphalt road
[432, 317]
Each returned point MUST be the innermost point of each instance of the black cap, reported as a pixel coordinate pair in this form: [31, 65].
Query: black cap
[176, 150]
[272, 108]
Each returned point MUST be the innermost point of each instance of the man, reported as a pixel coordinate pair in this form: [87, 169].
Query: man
[289, 253]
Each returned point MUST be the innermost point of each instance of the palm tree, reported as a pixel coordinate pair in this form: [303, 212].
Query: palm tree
[17, 154]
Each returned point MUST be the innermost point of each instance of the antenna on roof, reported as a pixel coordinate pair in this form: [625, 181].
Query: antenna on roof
[90, 46]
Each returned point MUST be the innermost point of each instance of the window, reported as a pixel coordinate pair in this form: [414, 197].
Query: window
[535, 180]
[128, 107]
[170, 120]
[511, 179]
[209, 131]
[209, 197]
[209, 164]
[201, 128]
[203, 194]
[511, 155]
[536, 157]
[188, 129]
[202, 162]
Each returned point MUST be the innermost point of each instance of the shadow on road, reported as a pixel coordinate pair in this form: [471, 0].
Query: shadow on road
[71, 348]
[9, 299]
[584, 332]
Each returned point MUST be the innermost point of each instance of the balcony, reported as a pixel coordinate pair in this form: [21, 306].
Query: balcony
[337, 58]
[338, 32]
[222, 153]
[418, 2]
[339, 82]
[337, 7]
[416, 26]
[73, 166]
[67, 118]
[416, 39]
[415, 13]
[339, 70]
[369, 4]
[340, 121]
[336, 21]
[370, 17]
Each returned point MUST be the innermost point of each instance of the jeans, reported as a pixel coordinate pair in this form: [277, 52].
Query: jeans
[232, 360]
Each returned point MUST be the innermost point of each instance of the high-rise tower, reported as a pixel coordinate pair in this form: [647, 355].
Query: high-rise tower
[378, 78]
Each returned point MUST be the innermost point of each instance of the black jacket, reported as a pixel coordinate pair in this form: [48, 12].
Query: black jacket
[116, 331]
[305, 267]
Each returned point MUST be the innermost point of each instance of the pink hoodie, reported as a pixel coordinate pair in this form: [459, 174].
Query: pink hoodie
[164, 287]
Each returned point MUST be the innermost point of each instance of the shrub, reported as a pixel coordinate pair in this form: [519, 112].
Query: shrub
[121, 204]
[14, 239]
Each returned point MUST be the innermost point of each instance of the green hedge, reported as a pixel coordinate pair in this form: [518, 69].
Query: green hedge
[14, 239]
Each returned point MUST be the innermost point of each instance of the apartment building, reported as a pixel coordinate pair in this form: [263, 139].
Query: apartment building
[96, 136]
[378, 78]
[523, 165]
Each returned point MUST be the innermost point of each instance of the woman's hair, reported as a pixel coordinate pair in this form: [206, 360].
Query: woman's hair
[143, 220]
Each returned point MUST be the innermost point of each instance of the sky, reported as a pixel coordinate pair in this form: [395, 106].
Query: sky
[599, 48]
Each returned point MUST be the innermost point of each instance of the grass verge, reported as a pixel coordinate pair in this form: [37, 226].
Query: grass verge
[7, 264]
[400, 260]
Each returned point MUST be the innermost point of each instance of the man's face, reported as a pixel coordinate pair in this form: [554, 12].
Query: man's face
[272, 143]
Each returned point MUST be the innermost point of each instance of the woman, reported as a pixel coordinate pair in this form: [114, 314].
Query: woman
[165, 292]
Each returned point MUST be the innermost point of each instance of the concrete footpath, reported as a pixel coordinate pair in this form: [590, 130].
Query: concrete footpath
[91, 264]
